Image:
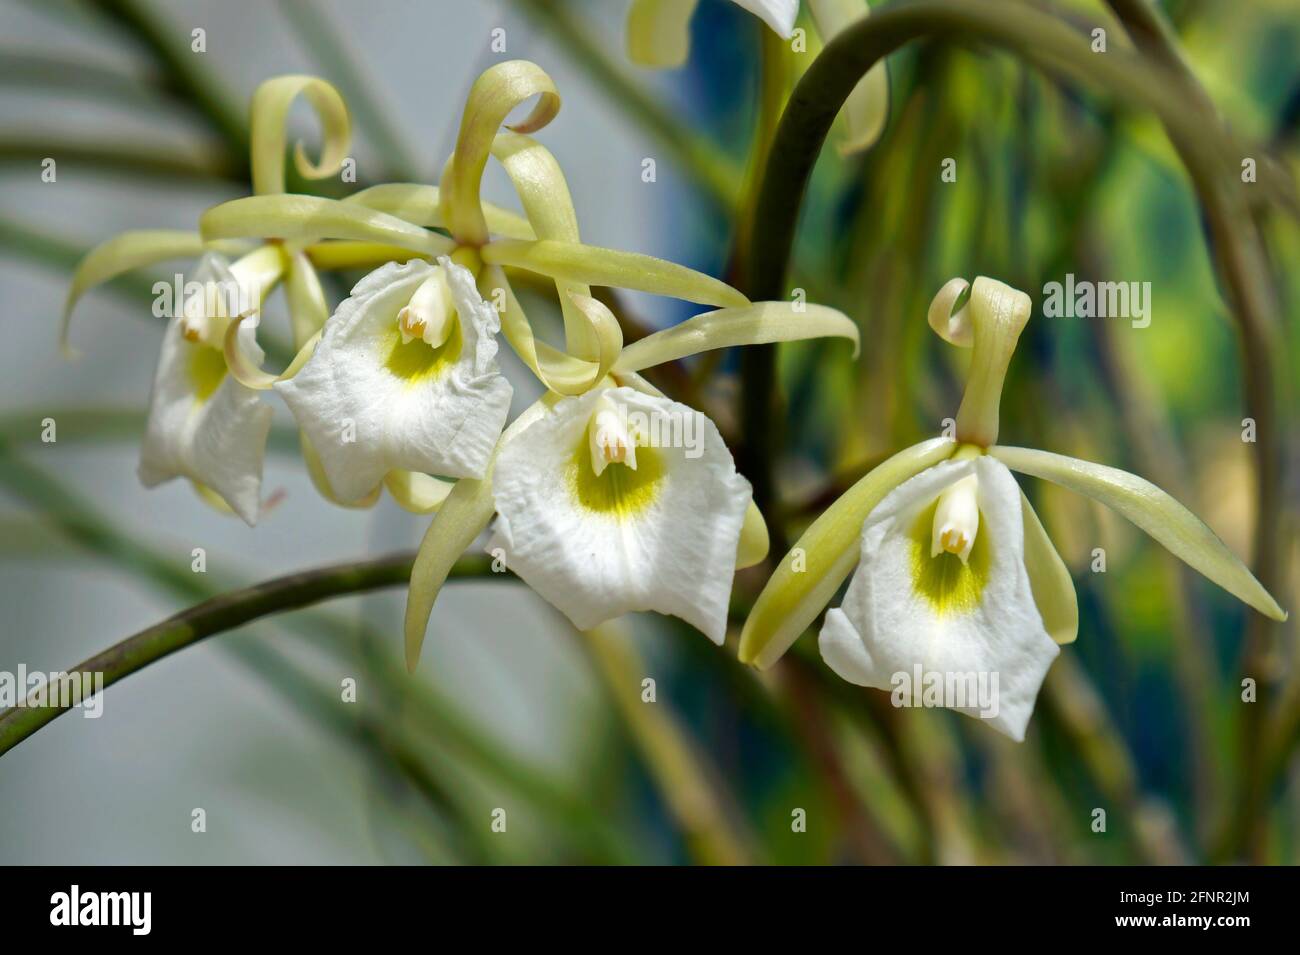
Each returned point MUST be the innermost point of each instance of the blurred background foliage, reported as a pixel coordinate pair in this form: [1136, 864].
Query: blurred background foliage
[1141, 717]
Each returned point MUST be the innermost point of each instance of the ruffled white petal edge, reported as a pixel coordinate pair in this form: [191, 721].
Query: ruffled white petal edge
[987, 645]
[662, 538]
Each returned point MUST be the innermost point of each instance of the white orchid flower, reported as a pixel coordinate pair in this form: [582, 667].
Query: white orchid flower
[619, 499]
[659, 36]
[615, 501]
[956, 578]
[405, 377]
[203, 424]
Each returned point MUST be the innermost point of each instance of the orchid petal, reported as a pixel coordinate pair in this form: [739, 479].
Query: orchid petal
[557, 370]
[754, 539]
[321, 481]
[121, 254]
[308, 308]
[614, 268]
[1171, 524]
[951, 324]
[311, 219]
[777, 14]
[662, 535]
[540, 184]
[909, 612]
[808, 576]
[372, 404]
[659, 32]
[461, 518]
[866, 111]
[1050, 579]
[334, 255]
[494, 94]
[267, 128]
[420, 205]
[758, 324]
[998, 314]
[416, 492]
[245, 367]
[202, 423]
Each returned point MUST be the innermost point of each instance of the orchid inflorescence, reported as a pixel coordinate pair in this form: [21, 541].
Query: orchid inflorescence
[398, 387]
[608, 496]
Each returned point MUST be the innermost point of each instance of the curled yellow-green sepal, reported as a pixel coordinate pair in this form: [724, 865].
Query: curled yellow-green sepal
[754, 539]
[557, 370]
[494, 94]
[311, 219]
[602, 328]
[758, 324]
[246, 371]
[998, 314]
[330, 256]
[1171, 524]
[659, 32]
[308, 307]
[950, 323]
[460, 519]
[121, 254]
[421, 205]
[544, 193]
[267, 118]
[416, 492]
[866, 111]
[825, 555]
[592, 265]
[1049, 579]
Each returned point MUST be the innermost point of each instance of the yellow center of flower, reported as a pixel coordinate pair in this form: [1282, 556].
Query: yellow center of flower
[628, 479]
[415, 361]
[947, 581]
[207, 371]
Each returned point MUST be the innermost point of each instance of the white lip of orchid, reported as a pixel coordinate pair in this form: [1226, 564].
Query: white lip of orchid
[957, 519]
[430, 313]
[609, 439]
